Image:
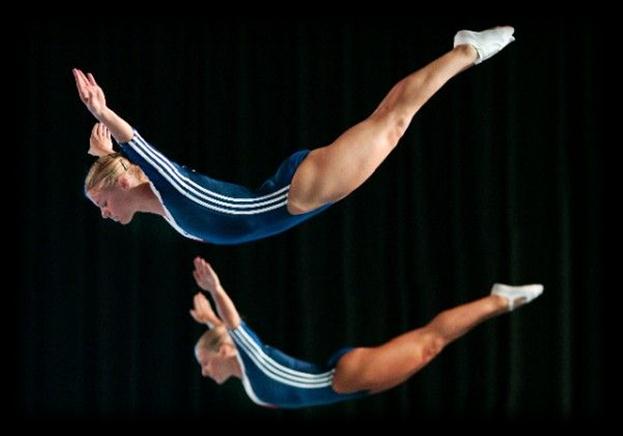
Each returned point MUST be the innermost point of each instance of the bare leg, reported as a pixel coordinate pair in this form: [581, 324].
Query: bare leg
[330, 173]
[383, 367]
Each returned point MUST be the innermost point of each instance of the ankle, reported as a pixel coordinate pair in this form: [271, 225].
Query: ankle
[517, 295]
[467, 51]
[502, 304]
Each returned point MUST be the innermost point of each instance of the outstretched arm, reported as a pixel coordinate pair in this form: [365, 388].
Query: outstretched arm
[207, 280]
[94, 99]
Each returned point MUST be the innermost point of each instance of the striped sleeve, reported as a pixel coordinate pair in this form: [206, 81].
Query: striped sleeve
[156, 165]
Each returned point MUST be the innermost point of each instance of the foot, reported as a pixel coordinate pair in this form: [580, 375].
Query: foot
[517, 295]
[488, 42]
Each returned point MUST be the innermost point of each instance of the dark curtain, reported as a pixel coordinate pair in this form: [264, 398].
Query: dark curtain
[498, 179]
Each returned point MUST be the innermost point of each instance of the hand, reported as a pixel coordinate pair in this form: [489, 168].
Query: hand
[202, 311]
[90, 93]
[205, 276]
[100, 143]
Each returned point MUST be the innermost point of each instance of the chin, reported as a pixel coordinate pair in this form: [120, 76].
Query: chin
[222, 380]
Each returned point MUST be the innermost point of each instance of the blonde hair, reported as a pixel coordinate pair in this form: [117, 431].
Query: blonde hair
[213, 339]
[106, 170]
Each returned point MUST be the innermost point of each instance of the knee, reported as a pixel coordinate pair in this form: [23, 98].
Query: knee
[396, 122]
[432, 346]
[399, 127]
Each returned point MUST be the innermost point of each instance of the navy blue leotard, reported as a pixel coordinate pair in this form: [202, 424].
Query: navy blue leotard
[210, 210]
[272, 378]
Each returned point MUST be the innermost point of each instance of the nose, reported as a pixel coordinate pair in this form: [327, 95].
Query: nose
[105, 213]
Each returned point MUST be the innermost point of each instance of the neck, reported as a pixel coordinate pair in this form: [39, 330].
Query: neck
[234, 365]
[147, 200]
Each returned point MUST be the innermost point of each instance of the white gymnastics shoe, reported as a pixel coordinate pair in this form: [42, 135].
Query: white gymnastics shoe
[488, 42]
[517, 295]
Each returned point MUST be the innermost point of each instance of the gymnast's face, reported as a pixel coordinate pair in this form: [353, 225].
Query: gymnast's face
[115, 203]
[215, 364]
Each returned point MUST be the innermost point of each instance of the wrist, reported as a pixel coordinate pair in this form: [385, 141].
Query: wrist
[103, 115]
[218, 291]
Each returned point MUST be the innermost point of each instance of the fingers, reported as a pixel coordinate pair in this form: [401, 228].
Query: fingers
[81, 83]
[202, 306]
[198, 296]
[196, 304]
[102, 130]
[77, 72]
[86, 85]
[78, 75]
[200, 318]
[100, 133]
[198, 261]
[200, 266]
[195, 316]
[205, 276]
[208, 268]
[201, 302]
[198, 279]
[204, 266]
[84, 82]
[91, 79]
[81, 79]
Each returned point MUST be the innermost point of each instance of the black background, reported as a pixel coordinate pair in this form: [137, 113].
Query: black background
[499, 178]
